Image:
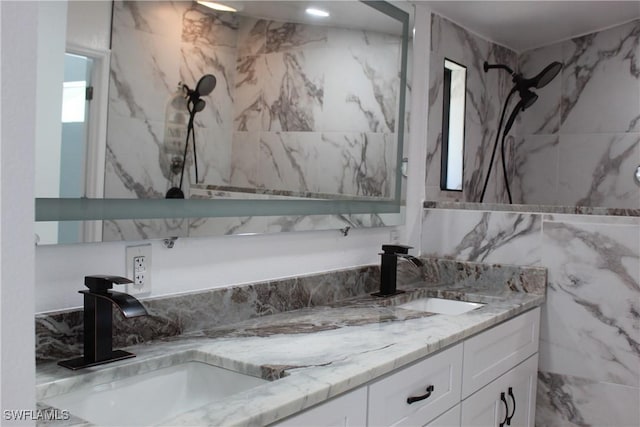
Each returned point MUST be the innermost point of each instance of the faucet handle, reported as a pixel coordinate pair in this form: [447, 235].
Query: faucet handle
[396, 249]
[102, 283]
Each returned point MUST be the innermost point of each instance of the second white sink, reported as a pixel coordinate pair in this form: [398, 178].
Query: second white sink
[152, 397]
[441, 306]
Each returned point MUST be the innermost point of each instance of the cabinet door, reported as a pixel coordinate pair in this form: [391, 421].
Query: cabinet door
[451, 418]
[511, 397]
[495, 351]
[347, 410]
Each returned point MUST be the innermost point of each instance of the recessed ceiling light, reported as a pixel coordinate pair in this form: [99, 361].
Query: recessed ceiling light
[217, 6]
[317, 12]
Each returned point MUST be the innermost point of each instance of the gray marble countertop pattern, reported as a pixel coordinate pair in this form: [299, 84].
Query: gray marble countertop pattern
[311, 354]
[573, 210]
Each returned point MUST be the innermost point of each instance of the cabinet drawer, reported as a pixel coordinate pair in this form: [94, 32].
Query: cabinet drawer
[388, 404]
[347, 410]
[492, 353]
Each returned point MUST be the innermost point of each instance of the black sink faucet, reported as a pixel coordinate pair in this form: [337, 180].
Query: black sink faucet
[389, 265]
[98, 321]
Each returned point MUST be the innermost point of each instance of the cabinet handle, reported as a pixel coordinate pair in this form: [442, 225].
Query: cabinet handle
[509, 417]
[506, 409]
[410, 400]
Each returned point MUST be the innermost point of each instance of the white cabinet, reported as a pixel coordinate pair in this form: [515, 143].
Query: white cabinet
[417, 394]
[451, 418]
[487, 380]
[347, 410]
[493, 352]
[507, 401]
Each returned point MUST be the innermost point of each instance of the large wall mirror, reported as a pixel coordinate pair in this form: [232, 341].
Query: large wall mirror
[300, 127]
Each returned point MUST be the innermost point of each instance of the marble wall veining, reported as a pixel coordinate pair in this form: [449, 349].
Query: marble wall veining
[589, 369]
[486, 93]
[302, 121]
[481, 236]
[576, 146]
[580, 143]
[591, 324]
[296, 107]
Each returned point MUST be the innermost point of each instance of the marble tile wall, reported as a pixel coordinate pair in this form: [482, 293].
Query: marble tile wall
[296, 107]
[315, 109]
[589, 369]
[482, 236]
[580, 143]
[486, 93]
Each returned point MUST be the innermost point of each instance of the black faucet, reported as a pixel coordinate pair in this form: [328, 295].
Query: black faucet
[388, 268]
[98, 311]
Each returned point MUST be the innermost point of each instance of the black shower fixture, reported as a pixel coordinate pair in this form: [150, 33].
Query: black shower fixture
[195, 104]
[544, 77]
[527, 99]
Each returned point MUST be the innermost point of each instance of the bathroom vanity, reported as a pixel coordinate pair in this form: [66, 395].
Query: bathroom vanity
[353, 362]
[486, 380]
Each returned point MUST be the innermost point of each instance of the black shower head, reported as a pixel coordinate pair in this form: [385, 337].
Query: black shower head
[523, 86]
[542, 79]
[545, 76]
[204, 87]
[527, 98]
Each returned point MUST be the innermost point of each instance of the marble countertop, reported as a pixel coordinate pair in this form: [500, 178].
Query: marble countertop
[315, 353]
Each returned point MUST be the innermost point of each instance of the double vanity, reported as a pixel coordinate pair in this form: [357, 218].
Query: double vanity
[448, 353]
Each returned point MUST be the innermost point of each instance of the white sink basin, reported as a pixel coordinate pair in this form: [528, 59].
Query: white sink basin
[152, 397]
[441, 306]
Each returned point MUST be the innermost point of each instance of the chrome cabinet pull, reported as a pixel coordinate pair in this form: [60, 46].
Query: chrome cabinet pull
[413, 399]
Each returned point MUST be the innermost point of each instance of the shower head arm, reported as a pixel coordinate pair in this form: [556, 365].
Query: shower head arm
[488, 67]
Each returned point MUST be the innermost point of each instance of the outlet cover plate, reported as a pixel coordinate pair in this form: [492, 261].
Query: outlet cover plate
[131, 253]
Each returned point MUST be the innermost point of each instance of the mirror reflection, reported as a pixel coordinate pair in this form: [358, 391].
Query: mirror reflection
[303, 107]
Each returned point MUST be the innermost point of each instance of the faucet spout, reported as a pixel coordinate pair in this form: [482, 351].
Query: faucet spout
[410, 258]
[128, 305]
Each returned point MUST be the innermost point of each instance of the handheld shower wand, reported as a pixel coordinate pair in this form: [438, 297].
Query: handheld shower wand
[527, 99]
[195, 104]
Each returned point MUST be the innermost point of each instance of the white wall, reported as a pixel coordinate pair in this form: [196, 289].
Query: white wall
[204, 263]
[50, 65]
[18, 93]
[89, 24]
[195, 264]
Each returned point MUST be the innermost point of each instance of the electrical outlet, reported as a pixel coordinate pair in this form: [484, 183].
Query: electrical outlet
[138, 264]
[139, 269]
[394, 236]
